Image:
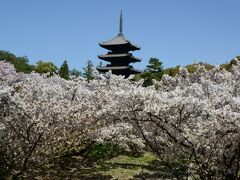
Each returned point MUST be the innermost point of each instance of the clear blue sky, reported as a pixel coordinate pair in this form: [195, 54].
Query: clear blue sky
[179, 32]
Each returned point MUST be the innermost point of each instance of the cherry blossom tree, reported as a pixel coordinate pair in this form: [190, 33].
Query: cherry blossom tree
[43, 118]
[193, 118]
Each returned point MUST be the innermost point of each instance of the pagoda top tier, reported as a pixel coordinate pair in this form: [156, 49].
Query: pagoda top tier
[119, 42]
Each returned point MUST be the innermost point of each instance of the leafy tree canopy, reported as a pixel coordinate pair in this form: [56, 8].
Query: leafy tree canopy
[45, 67]
[20, 63]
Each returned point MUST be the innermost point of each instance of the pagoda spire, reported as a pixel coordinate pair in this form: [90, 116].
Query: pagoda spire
[121, 24]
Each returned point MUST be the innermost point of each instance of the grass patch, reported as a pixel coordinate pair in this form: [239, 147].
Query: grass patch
[142, 160]
[106, 161]
[126, 167]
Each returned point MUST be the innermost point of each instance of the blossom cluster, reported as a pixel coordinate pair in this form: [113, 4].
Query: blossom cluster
[193, 116]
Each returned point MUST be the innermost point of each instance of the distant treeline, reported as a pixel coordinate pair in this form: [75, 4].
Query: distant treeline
[154, 70]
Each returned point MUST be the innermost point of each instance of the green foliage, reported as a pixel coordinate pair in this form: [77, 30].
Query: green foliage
[64, 71]
[171, 71]
[103, 151]
[145, 159]
[127, 167]
[153, 71]
[148, 78]
[74, 72]
[228, 66]
[192, 67]
[155, 66]
[20, 63]
[88, 71]
[207, 66]
[45, 67]
[137, 77]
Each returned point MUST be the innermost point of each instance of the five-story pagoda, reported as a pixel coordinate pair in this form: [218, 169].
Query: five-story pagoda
[119, 55]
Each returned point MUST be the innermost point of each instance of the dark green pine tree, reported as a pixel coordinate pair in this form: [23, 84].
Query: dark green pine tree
[153, 71]
[64, 71]
[155, 66]
[88, 71]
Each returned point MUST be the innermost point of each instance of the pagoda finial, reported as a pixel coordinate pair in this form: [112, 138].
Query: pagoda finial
[121, 24]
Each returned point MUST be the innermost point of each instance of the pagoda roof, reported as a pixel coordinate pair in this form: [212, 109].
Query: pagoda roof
[119, 40]
[111, 57]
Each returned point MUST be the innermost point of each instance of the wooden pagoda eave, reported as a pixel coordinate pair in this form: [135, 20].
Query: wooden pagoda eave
[117, 68]
[129, 47]
[115, 55]
[119, 57]
[119, 41]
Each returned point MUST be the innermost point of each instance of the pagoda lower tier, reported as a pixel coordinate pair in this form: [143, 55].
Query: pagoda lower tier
[118, 70]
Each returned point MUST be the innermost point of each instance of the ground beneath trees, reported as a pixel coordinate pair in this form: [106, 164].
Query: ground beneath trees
[121, 167]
